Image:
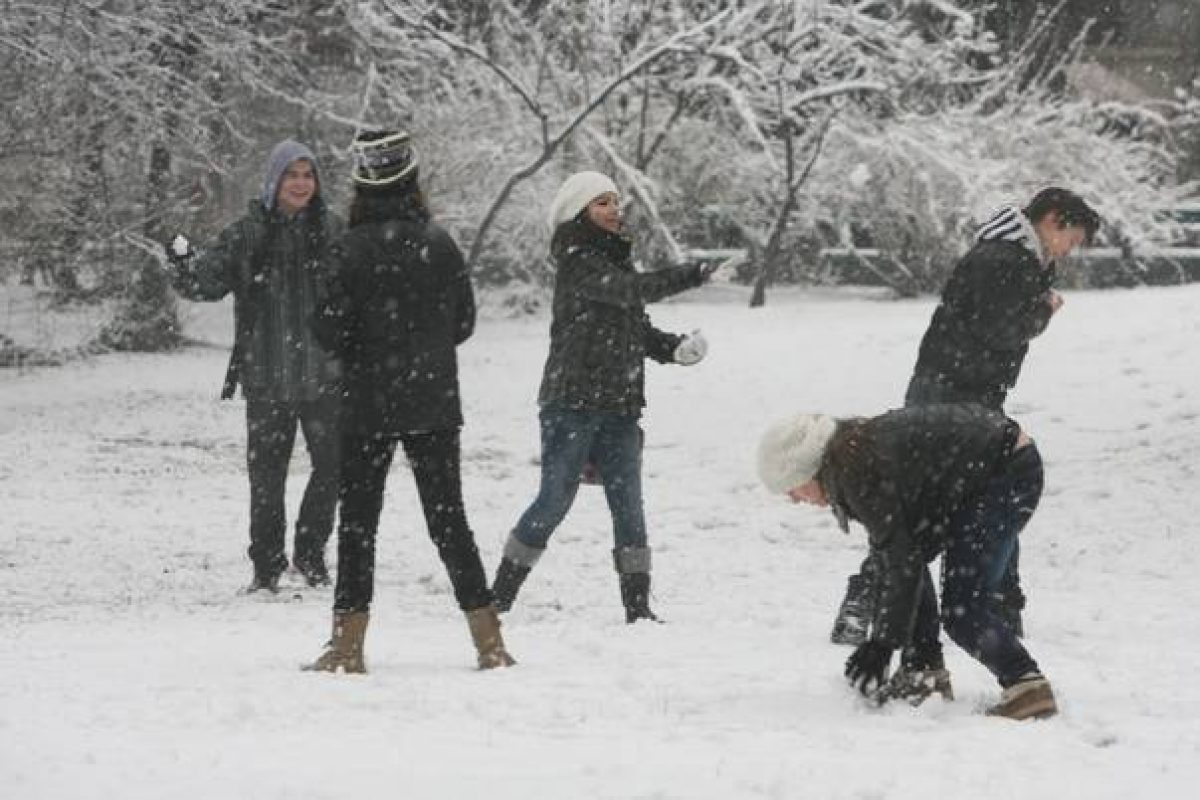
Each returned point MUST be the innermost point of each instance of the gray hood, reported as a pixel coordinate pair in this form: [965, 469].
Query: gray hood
[284, 153]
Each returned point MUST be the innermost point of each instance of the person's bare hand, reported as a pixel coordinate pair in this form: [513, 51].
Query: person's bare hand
[1056, 301]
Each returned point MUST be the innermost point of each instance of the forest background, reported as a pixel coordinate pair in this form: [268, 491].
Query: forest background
[819, 141]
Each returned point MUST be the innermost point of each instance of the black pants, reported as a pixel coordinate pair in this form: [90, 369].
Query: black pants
[270, 437]
[434, 458]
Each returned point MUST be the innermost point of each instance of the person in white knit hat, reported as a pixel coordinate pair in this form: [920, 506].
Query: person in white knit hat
[959, 481]
[592, 391]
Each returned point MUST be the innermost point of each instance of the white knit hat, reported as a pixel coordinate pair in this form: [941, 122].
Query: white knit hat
[790, 451]
[575, 194]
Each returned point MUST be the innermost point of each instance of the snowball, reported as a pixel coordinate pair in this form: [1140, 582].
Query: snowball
[860, 175]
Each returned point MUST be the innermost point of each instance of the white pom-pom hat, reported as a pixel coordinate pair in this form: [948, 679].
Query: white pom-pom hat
[575, 194]
[790, 451]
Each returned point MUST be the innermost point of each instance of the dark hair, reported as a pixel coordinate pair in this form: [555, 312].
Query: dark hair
[1070, 207]
[400, 201]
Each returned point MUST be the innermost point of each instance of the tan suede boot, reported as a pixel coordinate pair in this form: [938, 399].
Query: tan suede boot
[485, 632]
[344, 650]
[1030, 697]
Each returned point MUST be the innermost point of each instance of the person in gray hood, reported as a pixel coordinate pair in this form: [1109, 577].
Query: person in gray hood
[272, 261]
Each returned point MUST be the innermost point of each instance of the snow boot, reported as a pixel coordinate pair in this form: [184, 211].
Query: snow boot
[853, 621]
[509, 577]
[263, 583]
[519, 558]
[344, 650]
[633, 570]
[312, 568]
[485, 632]
[1030, 696]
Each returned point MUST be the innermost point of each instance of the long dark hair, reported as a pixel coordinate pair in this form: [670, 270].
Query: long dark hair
[402, 201]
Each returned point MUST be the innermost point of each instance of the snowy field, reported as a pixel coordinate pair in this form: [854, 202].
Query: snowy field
[131, 668]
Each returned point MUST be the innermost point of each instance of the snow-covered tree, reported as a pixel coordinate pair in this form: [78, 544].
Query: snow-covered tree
[507, 90]
[122, 118]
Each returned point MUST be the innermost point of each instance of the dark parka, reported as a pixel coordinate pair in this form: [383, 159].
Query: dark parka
[600, 334]
[275, 267]
[903, 475]
[401, 301]
[996, 300]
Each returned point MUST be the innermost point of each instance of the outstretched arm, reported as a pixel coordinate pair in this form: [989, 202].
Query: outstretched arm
[213, 273]
[600, 281]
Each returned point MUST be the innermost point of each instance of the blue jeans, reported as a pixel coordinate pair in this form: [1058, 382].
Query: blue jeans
[569, 439]
[981, 538]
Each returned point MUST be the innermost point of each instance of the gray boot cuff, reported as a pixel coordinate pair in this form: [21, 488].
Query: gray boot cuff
[631, 559]
[521, 553]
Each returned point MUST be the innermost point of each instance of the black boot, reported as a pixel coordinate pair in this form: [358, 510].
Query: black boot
[519, 558]
[633, 567]
[263, 583]
[311, 567]
[854, 617]
[509, 577]
[635, 594]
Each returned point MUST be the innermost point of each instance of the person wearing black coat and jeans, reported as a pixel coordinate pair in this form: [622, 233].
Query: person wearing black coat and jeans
[592, 390]
[274, 260]
[399, 305]
[999, 297]
[958, 481]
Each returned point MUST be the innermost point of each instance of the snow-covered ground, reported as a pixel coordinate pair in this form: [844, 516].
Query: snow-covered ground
[130, 667]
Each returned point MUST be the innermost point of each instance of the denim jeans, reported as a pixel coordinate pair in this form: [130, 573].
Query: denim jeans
[569, 439]
[981, 538]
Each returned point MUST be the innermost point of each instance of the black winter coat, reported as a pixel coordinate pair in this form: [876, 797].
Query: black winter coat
[997, 299]
[398, 306]
[903, 475]
[275, 267]
[600, 334]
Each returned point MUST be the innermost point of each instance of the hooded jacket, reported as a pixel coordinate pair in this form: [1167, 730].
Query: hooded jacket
[903, 475]
[600, 334]
[996, 300]
[273, 265]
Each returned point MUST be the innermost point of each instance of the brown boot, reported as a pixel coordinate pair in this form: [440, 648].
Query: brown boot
[1031, 696]
[344, 650]
[485, 631]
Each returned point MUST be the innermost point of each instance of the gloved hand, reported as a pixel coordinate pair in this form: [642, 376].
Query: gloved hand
[867, 666]
[179, 251]
[708, 269]
[691, 350]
